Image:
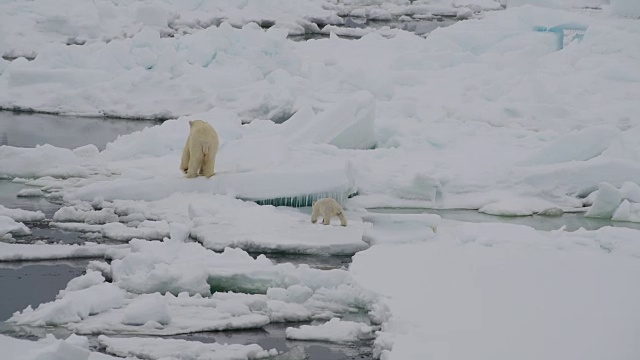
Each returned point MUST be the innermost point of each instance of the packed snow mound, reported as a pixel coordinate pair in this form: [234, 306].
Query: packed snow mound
[30, 193]
[147, 308]
[154, 314]
[21, 215]
[10, 226]
[158, 348]
[576, 146]
[145, 229]
[517, 206]
[22, 252]
[507, 282]
[347, 125]
[335, 330]
[73, 348]
[73, 306]
[71, 214]
[90, 278]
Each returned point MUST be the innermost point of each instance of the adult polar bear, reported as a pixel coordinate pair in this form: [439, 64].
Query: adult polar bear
[199, 154]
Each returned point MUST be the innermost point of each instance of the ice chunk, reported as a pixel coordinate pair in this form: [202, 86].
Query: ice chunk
[347, 125]
[420, 187]
[551, 212]
[145, 230]
[73, 306]
[158, 348]
[30, 193]
[464, 13]
[49, 348]
[606, 202]
[21, 215]
[581, 177]
[180, 315]
[42, 160]
[280, 311]
[70, 213]
[84, 281]
[516, 206]
[177, 267]
[335, 330]
[627, 211]
[10, 226]
[17, 252]
[630, 191]
[400, 228]
[294, 293]
[146, 308]
[582, 145]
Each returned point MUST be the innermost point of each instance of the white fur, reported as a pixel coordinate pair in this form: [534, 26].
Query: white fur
[327, 208]
[199, 154]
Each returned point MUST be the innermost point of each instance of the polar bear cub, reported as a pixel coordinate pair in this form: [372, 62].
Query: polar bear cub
[199, 154]
[327, 208]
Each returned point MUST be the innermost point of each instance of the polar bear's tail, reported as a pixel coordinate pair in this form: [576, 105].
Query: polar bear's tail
[205, 147]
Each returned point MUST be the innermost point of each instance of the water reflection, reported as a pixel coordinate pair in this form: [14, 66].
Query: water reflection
[31, 129]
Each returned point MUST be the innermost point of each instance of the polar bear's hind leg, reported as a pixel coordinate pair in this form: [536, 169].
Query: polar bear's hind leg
[184, 163]
[208, 163]
[314, 215]
[194, 164]
[326, 217]
[343, 219]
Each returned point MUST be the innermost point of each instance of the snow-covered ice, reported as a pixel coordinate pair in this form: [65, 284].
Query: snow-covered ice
[534, 141]
[21, 215]
[197, 285]
[157, 348]
[266, 229]
[621, 204]
[486, 114]
[334, 330]
[400, 228]
[19, 252]
[30, 193]
[491, 291]
[72, 348]
[10, 226]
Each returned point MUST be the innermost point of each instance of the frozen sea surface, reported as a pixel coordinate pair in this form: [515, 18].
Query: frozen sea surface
[35, 282]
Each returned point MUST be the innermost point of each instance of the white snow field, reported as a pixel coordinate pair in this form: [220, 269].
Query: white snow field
[486, 114]
[491, 291]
